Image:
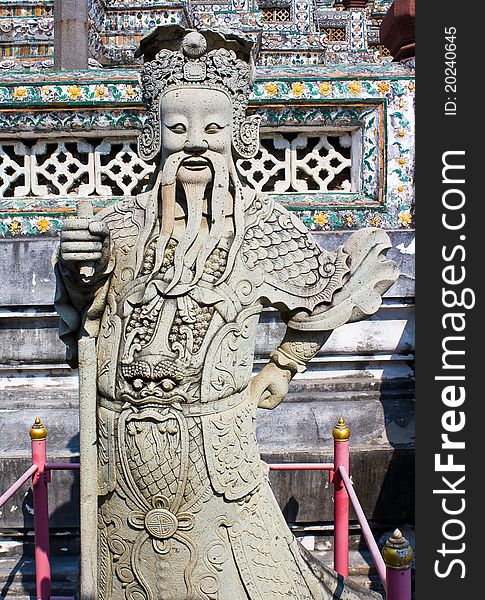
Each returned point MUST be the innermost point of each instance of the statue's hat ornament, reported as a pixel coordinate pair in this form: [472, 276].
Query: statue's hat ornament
[176, 58]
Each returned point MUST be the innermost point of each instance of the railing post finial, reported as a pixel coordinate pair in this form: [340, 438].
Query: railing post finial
[398, 556]
[38, 431]
[341, 431]
[397, 553]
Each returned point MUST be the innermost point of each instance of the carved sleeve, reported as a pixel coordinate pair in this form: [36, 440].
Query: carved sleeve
[316, 290]
[370, 275]
[297, 348]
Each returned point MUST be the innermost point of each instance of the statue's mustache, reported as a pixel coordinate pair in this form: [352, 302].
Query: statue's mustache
[195, 160]
[176, 160]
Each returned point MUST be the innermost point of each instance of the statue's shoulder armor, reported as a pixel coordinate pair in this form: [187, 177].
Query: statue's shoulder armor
[276, 241]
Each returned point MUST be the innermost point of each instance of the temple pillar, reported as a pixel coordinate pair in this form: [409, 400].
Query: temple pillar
[70, 34]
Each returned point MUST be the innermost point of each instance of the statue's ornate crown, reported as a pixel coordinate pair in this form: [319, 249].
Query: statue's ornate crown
[176, 58]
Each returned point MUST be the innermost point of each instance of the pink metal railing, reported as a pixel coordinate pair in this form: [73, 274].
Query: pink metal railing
[18, 484]
[364, 525]
[395, 578]
[40, 472]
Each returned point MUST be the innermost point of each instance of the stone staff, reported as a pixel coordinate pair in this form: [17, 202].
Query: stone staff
[89, 467]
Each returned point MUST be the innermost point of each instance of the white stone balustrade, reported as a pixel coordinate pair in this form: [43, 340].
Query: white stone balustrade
[290, 161]
[69, 166]
[311, 161]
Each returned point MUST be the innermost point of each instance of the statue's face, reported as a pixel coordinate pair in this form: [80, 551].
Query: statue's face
[196, 154]
[194, 121]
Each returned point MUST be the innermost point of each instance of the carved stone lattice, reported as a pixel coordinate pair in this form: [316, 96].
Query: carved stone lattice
[118, 168]
[14, 169]
[276, 14]
[62, 167]
[334, 34]
[72, 167]
[381, 50]
[289, 162]
[111, 166]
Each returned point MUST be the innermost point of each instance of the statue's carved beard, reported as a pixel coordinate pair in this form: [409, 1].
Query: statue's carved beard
[194, 183]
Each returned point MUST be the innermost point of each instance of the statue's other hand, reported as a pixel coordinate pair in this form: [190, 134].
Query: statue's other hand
[269, 387]
[83, 242]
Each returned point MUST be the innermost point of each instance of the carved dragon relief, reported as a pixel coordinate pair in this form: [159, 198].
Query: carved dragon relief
[180, 279]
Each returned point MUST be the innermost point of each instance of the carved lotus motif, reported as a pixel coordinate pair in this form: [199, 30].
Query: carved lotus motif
[161, 524]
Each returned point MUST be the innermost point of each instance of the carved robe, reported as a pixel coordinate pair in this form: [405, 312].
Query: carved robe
[185, 508]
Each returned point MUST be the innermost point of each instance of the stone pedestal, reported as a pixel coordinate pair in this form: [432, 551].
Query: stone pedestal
[70, 34]
[398, 29]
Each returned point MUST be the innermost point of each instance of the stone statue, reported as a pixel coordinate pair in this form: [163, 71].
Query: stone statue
[170, 288]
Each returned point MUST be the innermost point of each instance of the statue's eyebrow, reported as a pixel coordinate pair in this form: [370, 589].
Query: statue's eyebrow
[175, 118]
[217, 119]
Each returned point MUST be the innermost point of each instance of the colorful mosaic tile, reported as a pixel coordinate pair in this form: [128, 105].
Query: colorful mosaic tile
[115, 29]
[36, 225]
[26, 35]
[380, 7]
[354, 91]
[69, 120]
[97, 87]
[383, 109]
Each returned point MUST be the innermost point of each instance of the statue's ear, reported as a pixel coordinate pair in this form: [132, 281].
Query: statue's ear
[149, 140]
[246, 138]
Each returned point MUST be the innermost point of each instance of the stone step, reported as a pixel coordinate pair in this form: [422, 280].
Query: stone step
[17, 572]
[319, 541]
[17, 543]
[361, 568]
[17, 576]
